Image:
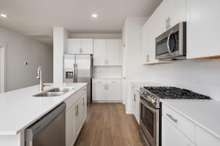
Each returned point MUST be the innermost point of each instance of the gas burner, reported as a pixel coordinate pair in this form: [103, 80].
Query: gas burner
[174, 93]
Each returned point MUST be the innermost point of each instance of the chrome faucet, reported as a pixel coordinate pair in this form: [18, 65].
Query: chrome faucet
[39, 76]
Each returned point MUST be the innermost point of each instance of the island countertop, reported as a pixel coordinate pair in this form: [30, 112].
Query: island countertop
[19, 109]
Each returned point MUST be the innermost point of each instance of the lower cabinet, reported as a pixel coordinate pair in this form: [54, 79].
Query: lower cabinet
[179, 131]
[107, 90]
[76, 113]
[172, 136]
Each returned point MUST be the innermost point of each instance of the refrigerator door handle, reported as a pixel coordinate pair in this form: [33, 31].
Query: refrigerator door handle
[75, 77]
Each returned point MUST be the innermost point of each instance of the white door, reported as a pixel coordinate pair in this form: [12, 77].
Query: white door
[114, 49]
[86, 46]
[171, 136]
[114, 90]
[73, 46]
[99, 52]
[203, 28]
[100, 89]
[2, 69]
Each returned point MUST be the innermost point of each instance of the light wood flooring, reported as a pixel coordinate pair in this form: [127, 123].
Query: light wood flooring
[109, 125]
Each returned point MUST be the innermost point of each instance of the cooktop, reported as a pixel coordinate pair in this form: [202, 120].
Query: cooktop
[174, 93]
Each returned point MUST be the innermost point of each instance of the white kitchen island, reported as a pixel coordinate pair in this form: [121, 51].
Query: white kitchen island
[19, 109]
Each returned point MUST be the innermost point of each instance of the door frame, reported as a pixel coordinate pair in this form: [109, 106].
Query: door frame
[2, 66]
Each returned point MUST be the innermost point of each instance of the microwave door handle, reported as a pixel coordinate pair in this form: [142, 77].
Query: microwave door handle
[168, 42]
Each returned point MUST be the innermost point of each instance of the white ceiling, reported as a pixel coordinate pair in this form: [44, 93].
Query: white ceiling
[37, 17]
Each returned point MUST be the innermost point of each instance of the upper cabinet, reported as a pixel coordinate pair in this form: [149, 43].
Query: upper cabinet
[79, 46]
[202, 27]
[107, 52]
[168, 14]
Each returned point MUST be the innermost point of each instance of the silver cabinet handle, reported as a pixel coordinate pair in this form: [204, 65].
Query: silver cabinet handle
[172, 118]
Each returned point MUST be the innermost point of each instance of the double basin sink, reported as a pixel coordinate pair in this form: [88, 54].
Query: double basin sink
[53, 92]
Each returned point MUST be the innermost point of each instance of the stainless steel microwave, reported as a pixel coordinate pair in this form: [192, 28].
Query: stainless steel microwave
[172, 43]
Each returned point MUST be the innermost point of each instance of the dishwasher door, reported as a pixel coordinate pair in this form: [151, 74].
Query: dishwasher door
[48, 131]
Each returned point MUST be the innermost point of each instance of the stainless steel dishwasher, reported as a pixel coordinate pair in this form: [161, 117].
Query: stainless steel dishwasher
[48, 131]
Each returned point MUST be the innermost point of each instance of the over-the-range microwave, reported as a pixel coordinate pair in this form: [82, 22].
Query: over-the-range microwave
[172, 43]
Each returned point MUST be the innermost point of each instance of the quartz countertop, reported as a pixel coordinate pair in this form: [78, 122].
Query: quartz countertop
[204, 113]
[19, 109]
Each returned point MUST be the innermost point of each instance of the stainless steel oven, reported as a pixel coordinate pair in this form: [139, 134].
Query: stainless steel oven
[149, 123]
[172, 43]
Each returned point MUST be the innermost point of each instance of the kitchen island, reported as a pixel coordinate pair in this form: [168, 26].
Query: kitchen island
[19, 109]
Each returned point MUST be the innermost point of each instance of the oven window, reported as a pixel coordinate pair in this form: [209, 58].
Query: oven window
[147, 118]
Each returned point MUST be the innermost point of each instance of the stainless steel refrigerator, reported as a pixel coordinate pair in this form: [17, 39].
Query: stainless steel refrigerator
[79, 68]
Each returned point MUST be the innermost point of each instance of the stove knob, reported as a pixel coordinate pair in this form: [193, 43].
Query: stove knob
[153, 101]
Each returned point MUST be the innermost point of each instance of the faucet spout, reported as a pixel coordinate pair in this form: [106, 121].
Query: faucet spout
[39, 76]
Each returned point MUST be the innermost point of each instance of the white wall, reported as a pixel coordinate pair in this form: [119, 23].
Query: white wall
[200, 76]
[59, 44]
[21, 49]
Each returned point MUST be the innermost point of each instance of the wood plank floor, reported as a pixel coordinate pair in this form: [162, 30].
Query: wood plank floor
[109, 125]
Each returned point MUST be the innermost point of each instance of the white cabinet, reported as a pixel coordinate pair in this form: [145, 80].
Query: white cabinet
[136, 103]
[79, 46]
[168, 14]
[76, 113]
[205, 139]
[100, 54]
[173, 136]
[114, 51]
[178, 130]
[203, 28]
[202, 19]
[107, 90]
[107, 52]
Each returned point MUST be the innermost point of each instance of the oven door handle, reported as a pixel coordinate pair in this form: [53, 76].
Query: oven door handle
[148, 107]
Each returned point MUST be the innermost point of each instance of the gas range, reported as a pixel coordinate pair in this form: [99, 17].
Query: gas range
[150, 109]
[154, 94]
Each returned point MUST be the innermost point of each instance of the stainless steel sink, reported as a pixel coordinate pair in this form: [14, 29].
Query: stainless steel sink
[53, 92]
[59, 90]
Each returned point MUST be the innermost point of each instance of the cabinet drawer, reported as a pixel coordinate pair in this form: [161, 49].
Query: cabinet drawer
[72, 99]
[203, 138]
[183, 124]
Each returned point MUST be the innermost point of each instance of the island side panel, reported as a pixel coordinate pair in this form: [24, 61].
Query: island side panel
[12, 140]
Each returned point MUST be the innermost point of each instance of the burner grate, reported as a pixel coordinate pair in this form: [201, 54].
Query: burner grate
[175, 93]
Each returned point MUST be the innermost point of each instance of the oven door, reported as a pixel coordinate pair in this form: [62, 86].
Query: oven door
[149, 123]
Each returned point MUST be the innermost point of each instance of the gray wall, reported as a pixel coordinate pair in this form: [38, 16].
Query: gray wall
[21, 49]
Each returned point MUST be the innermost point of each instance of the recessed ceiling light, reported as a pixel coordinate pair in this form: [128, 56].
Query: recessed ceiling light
[94, 15]
[3, 15]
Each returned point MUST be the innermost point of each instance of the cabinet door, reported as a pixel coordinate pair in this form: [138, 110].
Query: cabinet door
[78, 118]
[157, 20]
[203, 138]
[73, 46]
[171, 136]
[99, 52]
[70, 126]
[114, 51]
[114, 90]
[100, 88]
[137, 106]
[203, 28]
[86, 46]
[176, 12]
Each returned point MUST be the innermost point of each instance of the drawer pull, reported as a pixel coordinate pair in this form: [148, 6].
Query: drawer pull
[172, 118]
